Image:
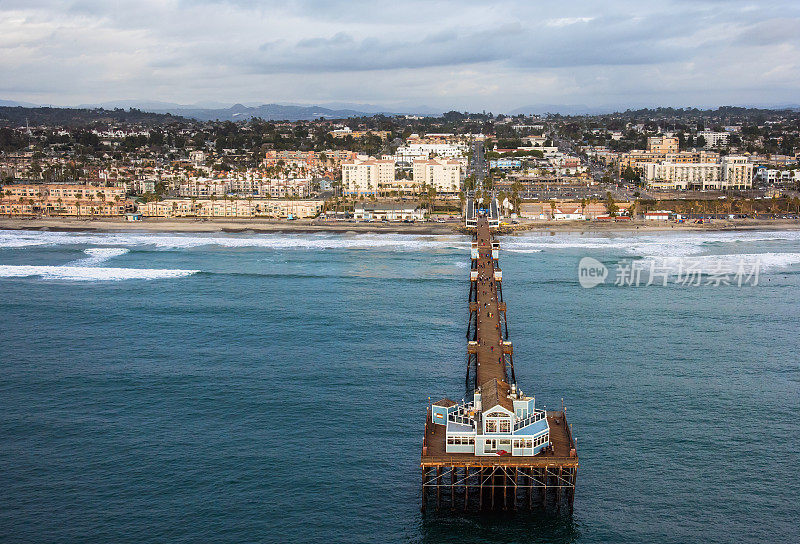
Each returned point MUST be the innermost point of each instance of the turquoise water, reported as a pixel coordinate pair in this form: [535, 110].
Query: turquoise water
[272, 388]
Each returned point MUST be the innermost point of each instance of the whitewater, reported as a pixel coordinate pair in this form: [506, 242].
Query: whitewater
[772, 250]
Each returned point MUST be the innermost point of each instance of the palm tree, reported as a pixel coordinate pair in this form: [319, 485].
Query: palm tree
[90, 196]
[431, 199]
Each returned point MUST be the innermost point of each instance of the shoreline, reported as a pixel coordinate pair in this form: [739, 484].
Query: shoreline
[313, 226]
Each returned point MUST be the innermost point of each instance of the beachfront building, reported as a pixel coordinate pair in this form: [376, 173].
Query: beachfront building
[676, 176]
[367, 177]
[658, 215]
[774, 176]
[568, 213]
[733, 172]
[232, 208]
[63, 191]
[443, 174]
[388, 211]
[246, 187]
[203, 188]
[63, 199]
[637, 159]
[493, 423]
[737, 172]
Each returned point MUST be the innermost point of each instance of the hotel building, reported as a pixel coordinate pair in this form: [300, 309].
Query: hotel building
[367, 177]
[443, 174]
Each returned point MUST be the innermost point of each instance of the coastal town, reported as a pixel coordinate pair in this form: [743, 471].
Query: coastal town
[400, 272]
[664, 165]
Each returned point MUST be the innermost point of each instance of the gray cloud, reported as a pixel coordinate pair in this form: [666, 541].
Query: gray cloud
[461, 54]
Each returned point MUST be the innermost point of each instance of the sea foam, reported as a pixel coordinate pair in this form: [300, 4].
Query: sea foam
[399, 242]
[86, 269]
[723, 264]
[90, 273]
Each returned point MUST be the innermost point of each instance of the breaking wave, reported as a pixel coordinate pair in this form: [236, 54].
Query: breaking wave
[89, 273]
[645, 244]
[98, 255]
[722, 264]
[86, 269]
[656, 244]
[398, 242]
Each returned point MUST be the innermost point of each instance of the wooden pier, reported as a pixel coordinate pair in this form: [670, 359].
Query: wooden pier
[468, 481]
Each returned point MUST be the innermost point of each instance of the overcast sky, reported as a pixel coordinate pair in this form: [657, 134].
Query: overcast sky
[462, 54]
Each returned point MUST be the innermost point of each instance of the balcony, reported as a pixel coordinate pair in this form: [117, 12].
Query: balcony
[537, 415]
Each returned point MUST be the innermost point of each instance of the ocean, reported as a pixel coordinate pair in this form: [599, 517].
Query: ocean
[272, 387]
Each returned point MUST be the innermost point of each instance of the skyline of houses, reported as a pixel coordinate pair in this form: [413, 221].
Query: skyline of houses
[536, 158]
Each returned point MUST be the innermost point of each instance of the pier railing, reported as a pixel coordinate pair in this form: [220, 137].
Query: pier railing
[532, 418]
[463, 414]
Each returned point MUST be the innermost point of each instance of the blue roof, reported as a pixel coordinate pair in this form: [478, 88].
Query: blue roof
[453, 427]
[534, 428]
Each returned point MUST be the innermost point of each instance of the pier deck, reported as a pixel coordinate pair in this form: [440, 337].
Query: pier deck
[488, 323]
[474, 480]
[435, 455]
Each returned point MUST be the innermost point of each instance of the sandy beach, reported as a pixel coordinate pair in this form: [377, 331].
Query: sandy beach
[283, 226]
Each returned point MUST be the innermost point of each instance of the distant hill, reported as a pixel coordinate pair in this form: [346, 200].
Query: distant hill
[18, 115]
[211, 111]
[268, 112]
[563, 109]
[12, 103]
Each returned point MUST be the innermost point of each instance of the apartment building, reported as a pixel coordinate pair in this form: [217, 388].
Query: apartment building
[737, 172]
[713, 139]
[62, 199]
[443, 174]
[425, 150]
[238, 208]
[733, 172]
[773, 176]
[198, 158]
[663, 144]
[65, 192]
[309, 159]
[673, 176]
[367, 177]
[346, 131]
[636, 159]
[203, 188]
[275, 188]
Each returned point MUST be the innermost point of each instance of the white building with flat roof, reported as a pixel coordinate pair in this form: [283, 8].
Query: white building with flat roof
[713, 139]
[443, 174]
[367, 177]
[412, 151]
[733, 172]
[737, 172]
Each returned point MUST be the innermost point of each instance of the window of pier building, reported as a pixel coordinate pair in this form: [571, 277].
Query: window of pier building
[497, 423]
[494, 445]
[526, 443]
[461, 440]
